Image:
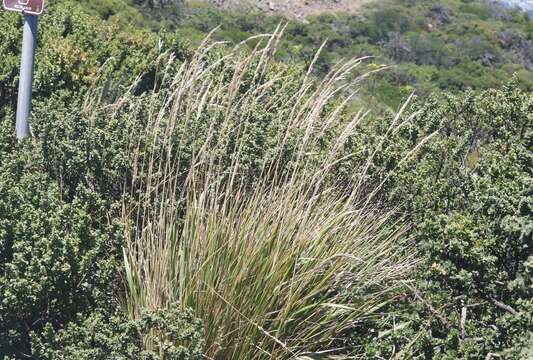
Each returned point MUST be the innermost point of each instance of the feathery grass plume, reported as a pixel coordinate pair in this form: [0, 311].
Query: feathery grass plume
[233, 209]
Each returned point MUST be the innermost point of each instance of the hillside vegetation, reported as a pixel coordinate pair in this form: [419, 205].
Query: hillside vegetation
[446, 45]
[450, 45]
[298, 9]
[184, 197]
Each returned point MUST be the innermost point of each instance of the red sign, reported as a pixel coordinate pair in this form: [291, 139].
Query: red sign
[33, 7]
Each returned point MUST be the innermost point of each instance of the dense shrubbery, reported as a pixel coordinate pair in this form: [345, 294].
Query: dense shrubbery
[470, 198]
[54, 250]
[59, 240]
[99, 337]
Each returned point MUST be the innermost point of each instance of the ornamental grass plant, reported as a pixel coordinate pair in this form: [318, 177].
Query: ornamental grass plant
[235, 211]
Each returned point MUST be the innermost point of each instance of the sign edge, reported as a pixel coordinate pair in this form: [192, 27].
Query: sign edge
[22, 11]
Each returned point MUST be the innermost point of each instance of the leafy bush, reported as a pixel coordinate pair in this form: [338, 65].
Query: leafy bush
[470, 196]
[55, 247]
[59, 192]
[172, 334]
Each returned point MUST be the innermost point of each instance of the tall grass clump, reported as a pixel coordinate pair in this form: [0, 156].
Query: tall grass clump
[234, 209]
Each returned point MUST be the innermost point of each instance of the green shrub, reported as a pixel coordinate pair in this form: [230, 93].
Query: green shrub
[55, 249]
[470, 198]
[60, 190]
[173, 335]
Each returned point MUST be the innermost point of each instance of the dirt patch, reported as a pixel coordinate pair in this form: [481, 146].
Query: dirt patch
[298, 9]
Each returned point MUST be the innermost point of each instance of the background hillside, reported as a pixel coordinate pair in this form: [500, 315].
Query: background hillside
[299, 9]
[447, 45]
[302, 8]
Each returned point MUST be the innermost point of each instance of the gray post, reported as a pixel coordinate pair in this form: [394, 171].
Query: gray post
[29, 43]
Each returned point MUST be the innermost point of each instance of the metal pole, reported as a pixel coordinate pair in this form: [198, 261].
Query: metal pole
[29, 43]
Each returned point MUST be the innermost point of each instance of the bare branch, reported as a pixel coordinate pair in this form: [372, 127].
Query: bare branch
[504, 306]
